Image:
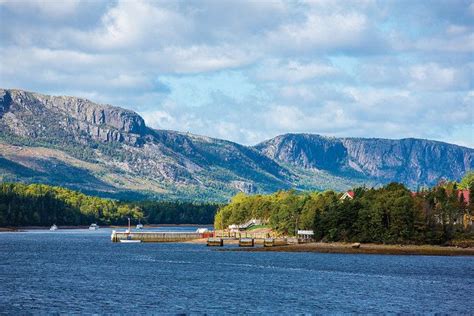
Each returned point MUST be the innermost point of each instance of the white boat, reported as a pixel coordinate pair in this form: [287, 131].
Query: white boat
[94, 227]
[130, 240]
[53, 228]
[139, 225]
[129, 237]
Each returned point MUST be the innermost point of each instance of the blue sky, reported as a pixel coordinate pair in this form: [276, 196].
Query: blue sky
[250, 70]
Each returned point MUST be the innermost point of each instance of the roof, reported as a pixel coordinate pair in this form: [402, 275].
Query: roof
[305, 232]
[348, 194]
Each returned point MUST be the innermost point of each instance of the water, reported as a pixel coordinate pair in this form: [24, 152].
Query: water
[82, 271]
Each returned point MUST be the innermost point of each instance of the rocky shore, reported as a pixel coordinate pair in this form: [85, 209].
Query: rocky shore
[427, 250]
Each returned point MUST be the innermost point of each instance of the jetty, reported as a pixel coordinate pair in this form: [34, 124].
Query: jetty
[156, 236]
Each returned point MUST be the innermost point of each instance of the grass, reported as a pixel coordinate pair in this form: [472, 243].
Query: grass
[258, 227]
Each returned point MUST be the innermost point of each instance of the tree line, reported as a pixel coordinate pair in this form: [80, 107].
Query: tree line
[44, 205]
[391, 214]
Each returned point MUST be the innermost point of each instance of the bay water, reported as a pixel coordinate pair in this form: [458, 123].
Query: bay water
[82, 271]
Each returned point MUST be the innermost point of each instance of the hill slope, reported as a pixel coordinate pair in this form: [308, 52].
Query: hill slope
[414, 162]
[109, 151]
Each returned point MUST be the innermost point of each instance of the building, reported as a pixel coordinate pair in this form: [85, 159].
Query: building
[348, 195]
[305, 235]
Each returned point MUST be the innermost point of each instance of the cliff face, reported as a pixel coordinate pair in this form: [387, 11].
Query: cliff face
[128, 153]
[31, 114]
[415, 162]
[306, 151]
[110, 151]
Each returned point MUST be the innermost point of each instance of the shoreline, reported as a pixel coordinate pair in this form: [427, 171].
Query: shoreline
[378, 249]
[346, 248]
[315, 247]
[21, 228]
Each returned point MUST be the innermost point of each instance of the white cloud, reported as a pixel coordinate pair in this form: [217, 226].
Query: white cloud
[418, 76]
[433, 77]
[326, 32]
[463, 43]
[196, 59]
[248, 70]
[48, 9]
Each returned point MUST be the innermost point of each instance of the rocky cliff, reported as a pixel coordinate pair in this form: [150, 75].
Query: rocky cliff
[126, 154]
[31, 114]
[415, 162]
[106, 150]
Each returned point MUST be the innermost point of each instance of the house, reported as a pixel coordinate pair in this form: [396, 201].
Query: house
[305, 235]
[348, 195]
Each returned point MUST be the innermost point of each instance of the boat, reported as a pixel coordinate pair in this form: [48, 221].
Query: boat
[129, 237]
[131, 241]
[94, 226]
[139, 225]
[53, 228]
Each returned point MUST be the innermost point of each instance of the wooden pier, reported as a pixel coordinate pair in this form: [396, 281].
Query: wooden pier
[246, 242]
[215, 242]
[155, 236]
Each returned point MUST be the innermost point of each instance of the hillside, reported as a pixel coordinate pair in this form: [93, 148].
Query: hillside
[414, 162]
[109, 151]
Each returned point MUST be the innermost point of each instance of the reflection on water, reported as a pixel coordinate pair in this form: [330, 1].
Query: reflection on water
[83, 271]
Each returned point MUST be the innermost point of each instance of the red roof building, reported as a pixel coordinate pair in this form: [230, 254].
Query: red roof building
[348, 195]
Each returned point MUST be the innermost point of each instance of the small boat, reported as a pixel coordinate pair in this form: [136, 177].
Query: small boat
[53, 228]
[129, 236]
[130, 240]
[139, 225]
[94, 227]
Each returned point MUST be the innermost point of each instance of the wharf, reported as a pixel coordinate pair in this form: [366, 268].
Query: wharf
[155, 236]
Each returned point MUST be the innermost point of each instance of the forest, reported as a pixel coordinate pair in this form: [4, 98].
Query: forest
[390, 214]
[44, 205]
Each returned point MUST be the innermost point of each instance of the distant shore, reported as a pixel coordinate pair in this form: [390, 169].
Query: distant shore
[318, 247]
[22, 228]
[427, 250]
[8, 229]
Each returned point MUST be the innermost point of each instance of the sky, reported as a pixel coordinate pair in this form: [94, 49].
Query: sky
[247, 71]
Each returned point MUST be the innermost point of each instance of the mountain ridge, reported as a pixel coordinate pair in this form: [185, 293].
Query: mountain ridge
[410, 161]
[116, 148]
[364, 138]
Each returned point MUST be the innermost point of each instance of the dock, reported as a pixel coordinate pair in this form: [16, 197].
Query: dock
[156, 236]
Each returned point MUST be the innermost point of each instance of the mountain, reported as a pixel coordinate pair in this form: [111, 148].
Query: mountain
[109, 151]
[414, 162]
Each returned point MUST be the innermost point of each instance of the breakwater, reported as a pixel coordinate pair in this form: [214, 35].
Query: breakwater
[155, 236]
